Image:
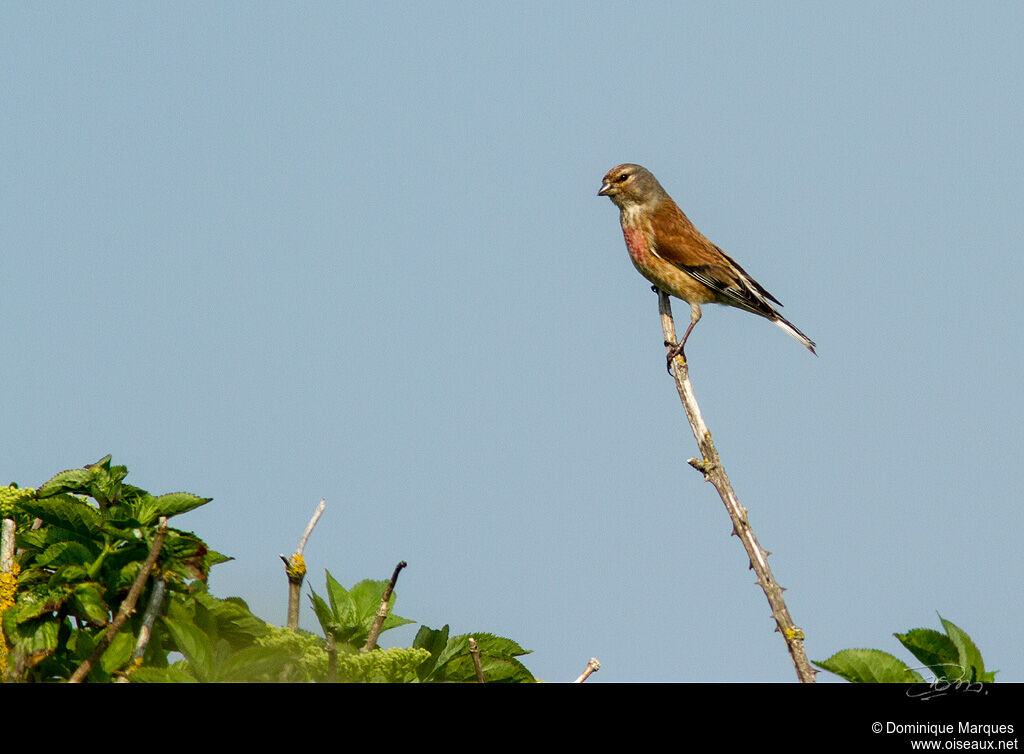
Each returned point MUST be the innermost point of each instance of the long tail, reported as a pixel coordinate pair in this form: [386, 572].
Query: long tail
[792, 329]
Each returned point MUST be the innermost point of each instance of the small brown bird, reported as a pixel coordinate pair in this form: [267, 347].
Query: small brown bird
[670, 252]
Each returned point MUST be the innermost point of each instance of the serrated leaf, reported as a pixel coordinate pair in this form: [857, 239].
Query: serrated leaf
[367, 595]
[186, 557]
[869, 666]
[105, 482]
[67, 513]
[969, 657]
[118, 653]
[181, 608]
[457, 646]
[68, 575]
[323, 613]
[87, 602]
[36, 638]
[495, 670]
[935, 650]
[353, 611]
[194, 645]
[254, 665]
[65, 553]
[496, 646]
[177, 673]
[34, 604]
[75, 481]
[34, 540]
[342, 604]
[442, 651]
[81, 644]
[213, 558]
[434, 641]
[497, 660]
[232, 619]
[150, 508]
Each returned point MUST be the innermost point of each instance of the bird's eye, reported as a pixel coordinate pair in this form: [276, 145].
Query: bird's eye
[622, 178]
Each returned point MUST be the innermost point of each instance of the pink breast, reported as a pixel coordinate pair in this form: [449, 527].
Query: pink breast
[636, 243]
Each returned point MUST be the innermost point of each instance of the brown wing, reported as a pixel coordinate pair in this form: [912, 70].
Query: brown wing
[680, 243]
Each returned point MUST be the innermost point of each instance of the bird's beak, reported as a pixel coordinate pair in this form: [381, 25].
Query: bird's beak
[605, 189]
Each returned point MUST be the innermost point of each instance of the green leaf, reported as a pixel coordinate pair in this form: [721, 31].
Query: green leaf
[434, 641]
[869, 666]
[342, 606]
[75, 481]
[497, 646]
[231, 620]
[349, 615]
[443, 651]
[367, 596]
[461, 669]
[68, 574]
[99, 480]
[497, 660]
[177, 673]
[65, 553]
[255, 665]
[935, 650]
[448, 667]
[36, 603]
[36, 638]
[195, 645]
[185, 557]
[81, 644]
[87, 602]
[323, 613]
[105, 482]
[150, 508]
[118, 653]
[969, 660]
[67, 513]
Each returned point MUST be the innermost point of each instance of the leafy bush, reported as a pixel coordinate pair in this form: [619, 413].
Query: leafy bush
[82, 541]
[952, 658]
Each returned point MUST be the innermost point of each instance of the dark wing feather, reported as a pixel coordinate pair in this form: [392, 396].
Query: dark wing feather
[680, 243]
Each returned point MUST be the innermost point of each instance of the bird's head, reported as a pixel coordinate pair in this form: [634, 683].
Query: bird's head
[631, 185]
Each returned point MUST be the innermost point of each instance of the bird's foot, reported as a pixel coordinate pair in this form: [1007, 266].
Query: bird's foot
[675, 349]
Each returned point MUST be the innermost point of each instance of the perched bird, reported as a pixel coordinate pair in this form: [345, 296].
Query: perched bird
[670, 252]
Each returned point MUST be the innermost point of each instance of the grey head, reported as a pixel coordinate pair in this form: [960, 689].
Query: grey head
[630, 185]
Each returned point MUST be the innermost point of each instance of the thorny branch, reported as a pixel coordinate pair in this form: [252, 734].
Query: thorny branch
[710, 465]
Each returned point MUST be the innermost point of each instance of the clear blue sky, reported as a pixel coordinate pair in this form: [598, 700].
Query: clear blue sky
[271, 253]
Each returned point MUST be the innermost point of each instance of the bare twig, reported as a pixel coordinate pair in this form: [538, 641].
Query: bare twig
[382, 611]
[8, 584]
[295, 569]
[153, 607]
[7, 546]
[127, 606]
[312, 522]
[592, 667]
[474, 652]
[156, 601]
[710, 465]
[36, 524]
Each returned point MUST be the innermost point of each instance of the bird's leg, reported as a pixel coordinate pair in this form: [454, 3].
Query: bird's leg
[677, 350]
